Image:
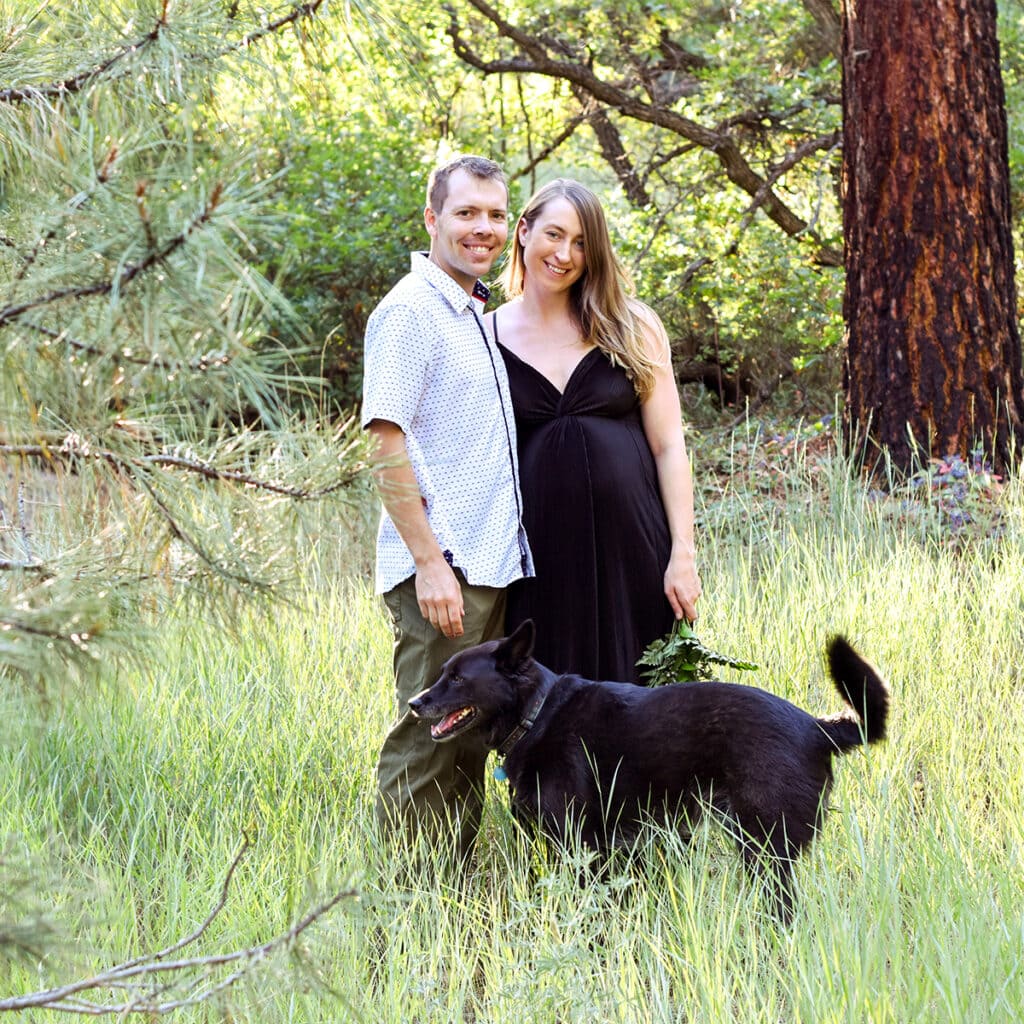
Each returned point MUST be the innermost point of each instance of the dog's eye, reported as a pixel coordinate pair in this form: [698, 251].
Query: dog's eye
[455, 680]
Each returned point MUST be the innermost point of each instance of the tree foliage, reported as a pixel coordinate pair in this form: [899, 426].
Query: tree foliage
[150, 443]
[349, 162]
[719, 123]
[747, 304]
[202, 201]
[736, 290]
[348, 142]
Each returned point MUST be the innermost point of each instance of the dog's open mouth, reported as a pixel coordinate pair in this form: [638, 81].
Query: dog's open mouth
[451, 725]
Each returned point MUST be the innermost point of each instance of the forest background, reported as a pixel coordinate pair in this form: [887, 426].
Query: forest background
[200, 203]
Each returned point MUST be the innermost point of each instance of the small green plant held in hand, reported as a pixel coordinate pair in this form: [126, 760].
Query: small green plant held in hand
[680, 657]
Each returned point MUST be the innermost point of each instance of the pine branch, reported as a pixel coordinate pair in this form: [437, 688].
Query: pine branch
[201, 364]
[47, 634]
[130, 272]
[75, 83]
[136, 470]
[76, 203]
[7, 565]
[179, 532]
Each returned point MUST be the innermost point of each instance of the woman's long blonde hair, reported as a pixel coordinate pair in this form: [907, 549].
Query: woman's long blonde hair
[601, 301]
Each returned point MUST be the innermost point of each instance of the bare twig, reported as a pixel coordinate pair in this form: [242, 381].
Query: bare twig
[567, 131]
[201, 364]
[658, 162]
[826, 142]
[72, 447]
[151, 980]
[297, 14]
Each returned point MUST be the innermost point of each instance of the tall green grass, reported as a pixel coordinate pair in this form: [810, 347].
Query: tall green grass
[127, 803]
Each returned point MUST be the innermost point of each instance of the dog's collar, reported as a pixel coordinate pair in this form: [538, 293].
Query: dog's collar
[529, 717]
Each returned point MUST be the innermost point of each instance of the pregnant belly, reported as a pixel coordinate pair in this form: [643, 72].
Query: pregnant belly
[589, 458]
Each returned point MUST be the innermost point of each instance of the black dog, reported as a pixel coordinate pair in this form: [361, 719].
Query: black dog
[597, 759]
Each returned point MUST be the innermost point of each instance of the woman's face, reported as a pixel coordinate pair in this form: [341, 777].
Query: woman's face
[553, 255]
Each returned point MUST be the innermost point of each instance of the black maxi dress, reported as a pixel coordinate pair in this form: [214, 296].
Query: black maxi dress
[594, 517]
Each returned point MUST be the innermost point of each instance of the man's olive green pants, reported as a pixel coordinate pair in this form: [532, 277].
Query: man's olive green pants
[432, 792]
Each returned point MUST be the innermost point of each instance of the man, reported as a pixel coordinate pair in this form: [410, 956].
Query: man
[436, 399]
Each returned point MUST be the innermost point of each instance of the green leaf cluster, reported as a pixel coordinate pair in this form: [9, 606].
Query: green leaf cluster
[680, 656]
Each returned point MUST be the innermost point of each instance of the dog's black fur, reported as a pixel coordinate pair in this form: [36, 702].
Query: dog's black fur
[601, 758]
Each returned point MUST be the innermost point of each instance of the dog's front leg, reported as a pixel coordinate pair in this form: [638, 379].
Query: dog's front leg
[525, 818]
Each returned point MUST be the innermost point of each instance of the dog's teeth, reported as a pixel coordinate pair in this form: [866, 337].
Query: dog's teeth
[449, 722]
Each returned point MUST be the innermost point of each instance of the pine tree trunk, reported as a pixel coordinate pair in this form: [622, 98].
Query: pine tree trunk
[933, 347]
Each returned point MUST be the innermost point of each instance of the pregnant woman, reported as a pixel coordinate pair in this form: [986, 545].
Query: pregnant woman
[607, 493]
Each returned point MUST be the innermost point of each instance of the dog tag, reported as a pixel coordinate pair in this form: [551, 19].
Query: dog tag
[499, 773]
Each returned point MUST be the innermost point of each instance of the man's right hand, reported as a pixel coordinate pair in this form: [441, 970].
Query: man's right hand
[440, 597]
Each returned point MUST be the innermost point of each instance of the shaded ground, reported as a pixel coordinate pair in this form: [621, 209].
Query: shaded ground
[762, 471]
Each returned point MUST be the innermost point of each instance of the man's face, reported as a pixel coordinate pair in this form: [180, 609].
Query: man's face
[469, 232]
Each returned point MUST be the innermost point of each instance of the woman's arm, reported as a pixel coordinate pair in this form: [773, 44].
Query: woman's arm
[663, 426]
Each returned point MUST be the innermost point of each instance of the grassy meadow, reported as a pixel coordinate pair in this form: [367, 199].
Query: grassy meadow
[122, 807]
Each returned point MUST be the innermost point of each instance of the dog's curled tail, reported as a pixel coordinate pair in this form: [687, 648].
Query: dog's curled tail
[863, 689]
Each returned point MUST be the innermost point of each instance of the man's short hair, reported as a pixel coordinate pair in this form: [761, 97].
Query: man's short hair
[478, 166]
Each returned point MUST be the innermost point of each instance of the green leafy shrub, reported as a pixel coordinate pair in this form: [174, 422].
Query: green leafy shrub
[350, 209]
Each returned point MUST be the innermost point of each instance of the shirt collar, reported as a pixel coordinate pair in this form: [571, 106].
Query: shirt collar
[421, 264]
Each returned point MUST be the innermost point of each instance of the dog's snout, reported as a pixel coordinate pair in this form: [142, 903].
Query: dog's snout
[416, 703]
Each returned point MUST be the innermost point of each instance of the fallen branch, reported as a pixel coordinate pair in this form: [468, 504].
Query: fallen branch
[156, 984]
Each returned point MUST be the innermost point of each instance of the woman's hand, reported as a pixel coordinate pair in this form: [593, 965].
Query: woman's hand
[682, 584]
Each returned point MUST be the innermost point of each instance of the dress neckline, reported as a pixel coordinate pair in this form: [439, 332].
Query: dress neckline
[543, 376]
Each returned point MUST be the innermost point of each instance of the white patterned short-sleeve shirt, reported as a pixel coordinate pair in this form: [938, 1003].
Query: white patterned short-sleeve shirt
[431, 368]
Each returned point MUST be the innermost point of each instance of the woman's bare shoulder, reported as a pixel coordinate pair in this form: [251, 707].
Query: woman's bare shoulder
[655, 335]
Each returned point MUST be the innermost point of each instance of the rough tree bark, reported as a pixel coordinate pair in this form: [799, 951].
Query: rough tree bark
[933, 347]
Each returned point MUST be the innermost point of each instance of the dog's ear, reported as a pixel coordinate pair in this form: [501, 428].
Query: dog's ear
[517, 648]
